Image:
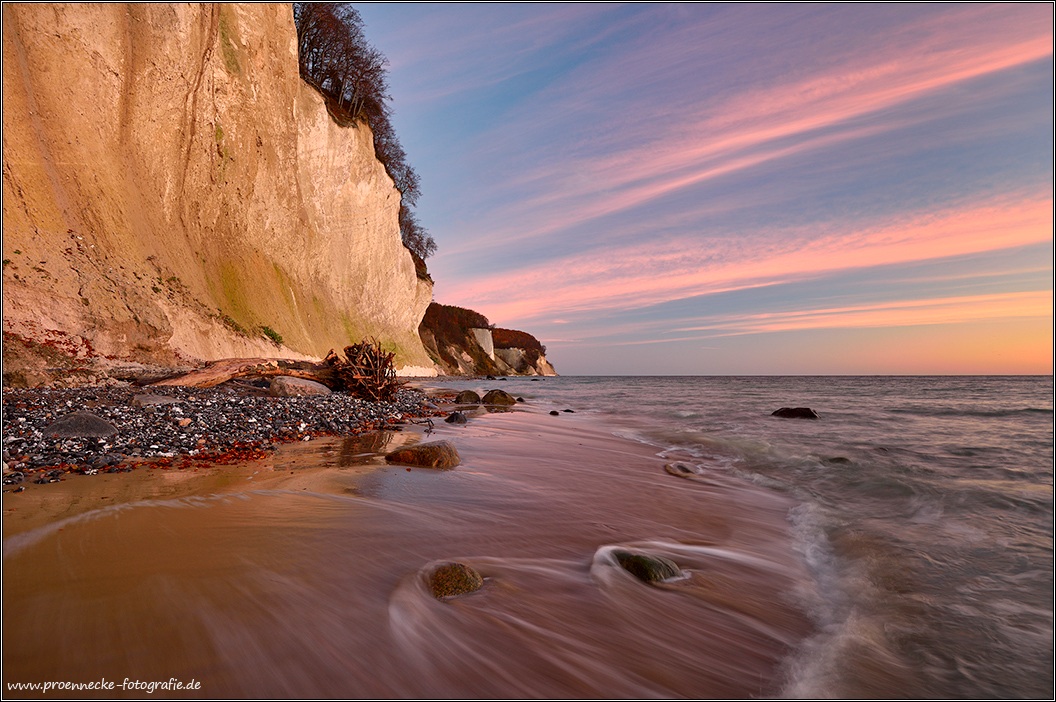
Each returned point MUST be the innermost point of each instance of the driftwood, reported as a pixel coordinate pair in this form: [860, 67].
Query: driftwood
[365, 370]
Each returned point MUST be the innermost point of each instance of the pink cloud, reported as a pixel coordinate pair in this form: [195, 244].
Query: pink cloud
[948, 310]
[752, 127]
[647, 274]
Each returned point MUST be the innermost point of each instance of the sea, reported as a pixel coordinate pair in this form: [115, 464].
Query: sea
[900, 545]
[925, 512]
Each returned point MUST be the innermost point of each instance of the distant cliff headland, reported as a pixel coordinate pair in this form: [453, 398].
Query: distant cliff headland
[180, 185]
[463, 342]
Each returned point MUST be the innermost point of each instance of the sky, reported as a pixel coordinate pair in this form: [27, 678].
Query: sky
[737, 189]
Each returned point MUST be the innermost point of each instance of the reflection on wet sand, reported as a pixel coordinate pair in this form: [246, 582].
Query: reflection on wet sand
[303, 575]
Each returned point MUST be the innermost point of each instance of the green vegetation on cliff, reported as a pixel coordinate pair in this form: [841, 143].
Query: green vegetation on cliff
[337, 60]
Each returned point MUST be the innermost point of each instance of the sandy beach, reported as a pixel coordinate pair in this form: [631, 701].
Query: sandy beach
[300, 574]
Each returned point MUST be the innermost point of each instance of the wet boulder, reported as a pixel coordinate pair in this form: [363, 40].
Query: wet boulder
[648, 569]
[456, 418]
[795, 413]
[499, 397]
[80, 425]
[555, 413]
[288, 386]
[680, 469]
[467, 397]
[450, 579]
[436, 454]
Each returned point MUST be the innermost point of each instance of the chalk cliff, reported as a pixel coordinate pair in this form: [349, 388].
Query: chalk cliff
[462, 342]
[173, 192]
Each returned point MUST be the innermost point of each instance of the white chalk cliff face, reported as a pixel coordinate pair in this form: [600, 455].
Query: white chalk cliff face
[171, 189]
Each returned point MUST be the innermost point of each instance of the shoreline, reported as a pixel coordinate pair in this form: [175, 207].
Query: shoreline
[177, 426]
[731, 536]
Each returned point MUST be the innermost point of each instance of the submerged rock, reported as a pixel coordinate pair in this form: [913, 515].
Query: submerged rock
[467, 397]
[838, 460]
[499, 397]
[437, 454]
[80, 424]
[795, 413]
[450, 579]
[555, 413]
[648, 569]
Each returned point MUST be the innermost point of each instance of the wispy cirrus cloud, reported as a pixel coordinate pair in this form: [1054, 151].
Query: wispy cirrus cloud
[750, 127]
[950, 310]
[651, 273]
[612, 174]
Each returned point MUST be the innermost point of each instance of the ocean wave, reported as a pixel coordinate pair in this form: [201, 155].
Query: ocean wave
[986, 413]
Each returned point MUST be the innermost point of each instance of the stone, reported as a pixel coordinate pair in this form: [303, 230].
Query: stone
[80, 424]
[569, 411]
[467, 397]
[51, 476]
[107, 459]
[555, 413]
[288, 386]
[795, 413]
[520, 399]
[499, 397]
[153, 400]
[838, 460]
[453, 578]
[437, 454]
[456, 418]
[185, 422]
[679, 469]
[648, 569]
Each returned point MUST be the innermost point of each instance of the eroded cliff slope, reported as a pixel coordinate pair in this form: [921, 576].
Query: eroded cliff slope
[172, 191]
[462, 342]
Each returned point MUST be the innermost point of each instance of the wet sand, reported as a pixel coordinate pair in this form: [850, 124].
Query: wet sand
[302, 574]
[325, 464]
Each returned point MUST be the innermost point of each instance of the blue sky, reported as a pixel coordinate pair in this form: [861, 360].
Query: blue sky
[716, 189]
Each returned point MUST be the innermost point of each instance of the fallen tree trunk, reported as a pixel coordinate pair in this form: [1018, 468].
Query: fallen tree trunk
[365, 371]
[227, 369]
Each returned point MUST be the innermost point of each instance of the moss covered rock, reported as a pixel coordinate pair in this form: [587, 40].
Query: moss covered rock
[436, 454]
[649, 569]
[680, 469]
[499, 397]
[450, 579]
[467, 397]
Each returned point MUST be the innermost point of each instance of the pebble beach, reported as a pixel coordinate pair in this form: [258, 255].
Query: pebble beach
[174, 426]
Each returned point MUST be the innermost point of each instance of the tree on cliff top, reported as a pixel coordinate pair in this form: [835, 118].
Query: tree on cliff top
[337, 60]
